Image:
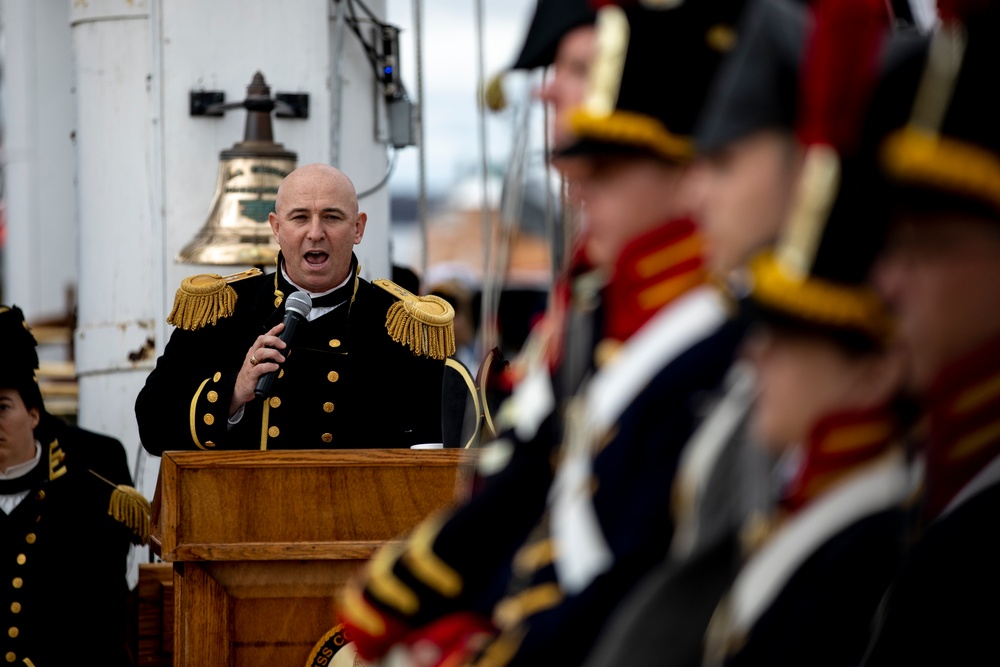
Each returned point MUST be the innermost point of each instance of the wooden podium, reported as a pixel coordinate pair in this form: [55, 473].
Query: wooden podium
[262, 542]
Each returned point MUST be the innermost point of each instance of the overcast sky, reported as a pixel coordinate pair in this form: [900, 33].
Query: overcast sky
[450, 61]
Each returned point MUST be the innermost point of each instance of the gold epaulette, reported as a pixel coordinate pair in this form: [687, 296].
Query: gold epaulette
[425, 324]
[205, 299]
[129, 507]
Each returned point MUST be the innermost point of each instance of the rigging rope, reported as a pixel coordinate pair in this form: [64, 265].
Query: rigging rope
[488, 322]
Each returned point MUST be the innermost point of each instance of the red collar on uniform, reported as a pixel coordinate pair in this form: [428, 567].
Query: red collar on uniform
[838, 444]
[963, 407]
[653, 270]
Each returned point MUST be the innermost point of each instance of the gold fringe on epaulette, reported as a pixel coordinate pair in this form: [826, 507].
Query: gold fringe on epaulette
[205, 299]
[425, 324]
[423, 338]
[129, 507]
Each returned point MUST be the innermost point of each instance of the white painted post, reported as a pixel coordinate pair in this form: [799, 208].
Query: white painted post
[119, 149]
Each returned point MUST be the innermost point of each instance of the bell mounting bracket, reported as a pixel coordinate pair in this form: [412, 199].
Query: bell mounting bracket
[213, 103]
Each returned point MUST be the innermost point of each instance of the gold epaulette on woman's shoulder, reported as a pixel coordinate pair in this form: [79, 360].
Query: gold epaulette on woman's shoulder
[205, 299]
[425, 324]
[129, 507]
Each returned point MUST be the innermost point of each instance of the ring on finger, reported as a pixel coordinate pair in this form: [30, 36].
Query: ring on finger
[253, 360]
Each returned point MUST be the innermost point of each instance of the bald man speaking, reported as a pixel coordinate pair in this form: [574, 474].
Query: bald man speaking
[363, 367]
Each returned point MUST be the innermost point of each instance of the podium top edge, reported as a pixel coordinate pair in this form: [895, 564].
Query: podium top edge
[319, 458]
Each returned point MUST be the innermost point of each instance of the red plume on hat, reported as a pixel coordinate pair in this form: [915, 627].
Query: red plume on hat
[839, 74]
[818, 271]
[840, 71]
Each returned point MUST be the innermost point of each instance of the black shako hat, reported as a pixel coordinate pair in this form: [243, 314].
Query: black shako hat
[18, 369]
[549, 24]
[947, 154]
[817, 276]
[757, 85]
[651, 75]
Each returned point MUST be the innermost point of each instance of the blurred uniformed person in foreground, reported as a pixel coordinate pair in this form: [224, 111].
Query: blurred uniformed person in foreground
[745, 175]
[512, 476]
[560, 35]
[748, 154]
[941, 273]
[364, 371]
[67, 517]
[561, 39]
[829, 377]
[747, 160]
[664, 343]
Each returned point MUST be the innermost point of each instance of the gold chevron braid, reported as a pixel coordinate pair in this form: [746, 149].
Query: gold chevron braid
[426, 565]
[204, 299]
[357, 611]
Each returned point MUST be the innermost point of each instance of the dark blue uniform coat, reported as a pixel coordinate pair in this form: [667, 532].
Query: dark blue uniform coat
[63, 558]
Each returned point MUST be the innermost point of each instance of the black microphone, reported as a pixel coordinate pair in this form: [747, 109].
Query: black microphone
[297, 307]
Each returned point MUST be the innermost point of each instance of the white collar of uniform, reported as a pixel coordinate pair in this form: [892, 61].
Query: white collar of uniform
[582, 552]
[314, 313]
[22, 469]
[986, 478]
[878, 486]
[708, 445]
[671, 332]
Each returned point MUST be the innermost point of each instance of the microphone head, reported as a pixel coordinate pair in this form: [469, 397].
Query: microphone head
[299, 302]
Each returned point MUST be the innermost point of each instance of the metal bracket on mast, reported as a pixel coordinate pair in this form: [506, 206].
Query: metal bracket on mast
[213, 103]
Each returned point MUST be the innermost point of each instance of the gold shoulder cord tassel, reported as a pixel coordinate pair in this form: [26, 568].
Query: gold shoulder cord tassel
[129, 507]
[425, 324]
[205, 299]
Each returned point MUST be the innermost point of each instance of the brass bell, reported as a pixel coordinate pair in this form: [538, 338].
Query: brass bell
[237, 231]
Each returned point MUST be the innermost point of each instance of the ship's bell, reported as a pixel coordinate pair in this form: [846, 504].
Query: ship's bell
[237, 231]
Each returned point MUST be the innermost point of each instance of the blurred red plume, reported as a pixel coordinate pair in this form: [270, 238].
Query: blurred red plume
[840, 70]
